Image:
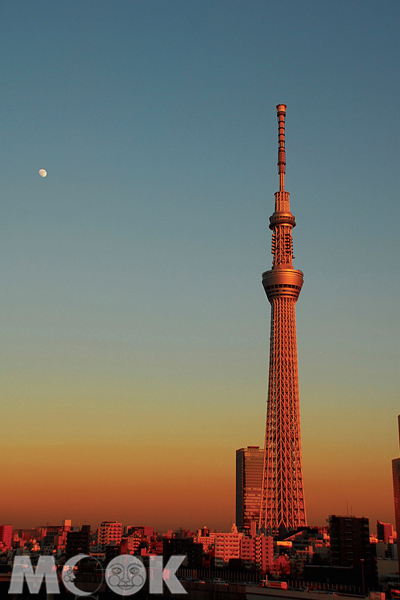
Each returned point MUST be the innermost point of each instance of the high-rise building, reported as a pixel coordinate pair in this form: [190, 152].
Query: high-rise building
[396, 493]
[249, 471]
[282, 496]
[384, 531]
[78, 542]
[6, 532]
[350, 547]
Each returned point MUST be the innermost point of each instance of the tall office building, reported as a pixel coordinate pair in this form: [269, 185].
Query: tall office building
[350, 547]
[6, 534]
[396, 493]
[384, 531]
[249, 471]
[282, 497]
[78, 542]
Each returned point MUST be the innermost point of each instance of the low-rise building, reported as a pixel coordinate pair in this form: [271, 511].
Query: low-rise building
[110, 533]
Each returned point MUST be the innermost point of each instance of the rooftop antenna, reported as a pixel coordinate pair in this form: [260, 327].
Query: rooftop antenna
[281, 110]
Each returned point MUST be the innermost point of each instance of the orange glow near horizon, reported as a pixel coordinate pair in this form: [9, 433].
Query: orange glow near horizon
[169, 461]
[170, 486]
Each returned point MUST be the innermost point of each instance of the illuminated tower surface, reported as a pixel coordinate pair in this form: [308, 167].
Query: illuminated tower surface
[396, 493]
[282, 496]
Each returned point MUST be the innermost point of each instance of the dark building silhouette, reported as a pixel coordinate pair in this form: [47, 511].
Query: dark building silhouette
[249, 473]
[141, 530]
[78, 542]
[384, 531]
[111, 551]
[396, 494]
[323, 574]
[184, 547]
[350, 547]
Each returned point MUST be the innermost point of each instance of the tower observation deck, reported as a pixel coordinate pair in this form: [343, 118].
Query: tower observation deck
[282, 495]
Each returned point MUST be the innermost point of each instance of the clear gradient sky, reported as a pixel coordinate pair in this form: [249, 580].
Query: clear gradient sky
[134, 327]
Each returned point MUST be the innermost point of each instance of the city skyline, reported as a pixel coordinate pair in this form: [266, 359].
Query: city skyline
[134, 327]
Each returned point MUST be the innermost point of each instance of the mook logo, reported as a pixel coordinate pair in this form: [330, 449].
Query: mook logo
[125, 575]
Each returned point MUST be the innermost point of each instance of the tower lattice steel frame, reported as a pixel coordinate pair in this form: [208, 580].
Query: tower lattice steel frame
[282, 496]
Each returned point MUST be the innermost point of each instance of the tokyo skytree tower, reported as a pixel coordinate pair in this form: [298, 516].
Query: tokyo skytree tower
[282, 496]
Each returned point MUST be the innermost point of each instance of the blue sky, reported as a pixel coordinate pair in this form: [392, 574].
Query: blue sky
[136, 264]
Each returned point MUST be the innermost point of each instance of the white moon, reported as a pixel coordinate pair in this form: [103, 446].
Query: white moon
[42, 172]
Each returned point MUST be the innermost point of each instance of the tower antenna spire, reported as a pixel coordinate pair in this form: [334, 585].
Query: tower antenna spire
[281, 110]
[282, 494]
